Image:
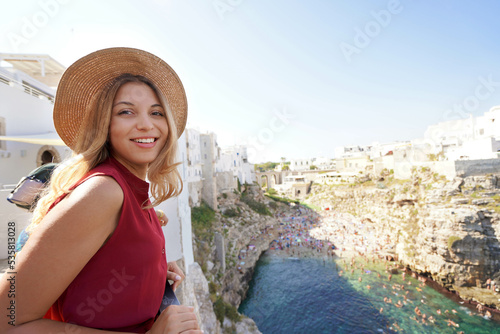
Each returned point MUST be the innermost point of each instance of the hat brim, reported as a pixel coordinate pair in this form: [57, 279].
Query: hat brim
[89, 75]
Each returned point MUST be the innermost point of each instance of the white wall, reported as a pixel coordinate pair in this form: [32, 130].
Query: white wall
[24, 115]
[178, 234]
[483, 148]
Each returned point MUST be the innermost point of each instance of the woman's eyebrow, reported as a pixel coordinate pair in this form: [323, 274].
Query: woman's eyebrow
[123, 102]
[131, 104]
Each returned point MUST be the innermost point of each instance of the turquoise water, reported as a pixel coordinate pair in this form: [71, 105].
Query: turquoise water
[289, 295]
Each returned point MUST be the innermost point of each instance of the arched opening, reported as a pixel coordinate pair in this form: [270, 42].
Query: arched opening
[47, 157]
[47, 154]
[264, 181]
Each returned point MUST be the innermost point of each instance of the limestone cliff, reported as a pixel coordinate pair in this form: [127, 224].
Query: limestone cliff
[448, 230]
[228, 244]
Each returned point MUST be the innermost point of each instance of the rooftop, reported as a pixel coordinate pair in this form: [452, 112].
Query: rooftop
[38, 66]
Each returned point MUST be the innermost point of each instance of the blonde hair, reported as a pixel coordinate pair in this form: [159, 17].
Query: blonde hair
[92, 148]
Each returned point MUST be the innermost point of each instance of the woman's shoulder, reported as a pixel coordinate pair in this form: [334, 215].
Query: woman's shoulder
[101, 188]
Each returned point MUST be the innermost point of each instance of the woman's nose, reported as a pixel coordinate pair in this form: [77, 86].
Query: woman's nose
[144, 122]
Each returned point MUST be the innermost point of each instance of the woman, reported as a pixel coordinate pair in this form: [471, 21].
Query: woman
[95, 260]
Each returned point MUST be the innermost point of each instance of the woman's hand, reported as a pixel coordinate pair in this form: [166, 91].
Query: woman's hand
[176, 319]
[162, 217]
[175, 274]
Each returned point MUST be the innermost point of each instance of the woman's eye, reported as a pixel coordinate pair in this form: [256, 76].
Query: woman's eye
[157, 113]
[125, 112]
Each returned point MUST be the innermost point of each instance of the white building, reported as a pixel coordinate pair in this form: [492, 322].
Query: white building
[235, 159]
[301, 164]
[210, 153]
[469, 138]
[384, 149]
[323, 163]
[194, 166]
[212, 170]
[193, 155]
[352, 151]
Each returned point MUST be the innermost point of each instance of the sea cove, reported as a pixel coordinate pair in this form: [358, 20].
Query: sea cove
[310, 295]
[338, 254]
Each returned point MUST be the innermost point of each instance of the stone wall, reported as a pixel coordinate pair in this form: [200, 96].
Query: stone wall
[477, 167]
[194, 292]
[208, 158]
[209, 191]
[403, 169]
[226, 181]
[195, 196]
[450, 169]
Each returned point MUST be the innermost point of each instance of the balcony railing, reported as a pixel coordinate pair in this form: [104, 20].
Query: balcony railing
[28, 89]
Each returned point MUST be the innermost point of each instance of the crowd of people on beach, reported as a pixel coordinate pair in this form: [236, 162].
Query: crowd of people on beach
[294, 234]
[326, 232]
[351, 235]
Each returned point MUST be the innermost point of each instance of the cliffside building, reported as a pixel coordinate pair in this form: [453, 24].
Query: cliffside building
[321, 163]
[468, 138]
[194, 166]
[212, 170]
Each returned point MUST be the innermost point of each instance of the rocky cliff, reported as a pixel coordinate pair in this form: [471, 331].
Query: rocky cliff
[447, 230]
[228, 244]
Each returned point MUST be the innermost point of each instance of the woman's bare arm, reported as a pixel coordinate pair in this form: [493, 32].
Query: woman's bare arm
[69, 235]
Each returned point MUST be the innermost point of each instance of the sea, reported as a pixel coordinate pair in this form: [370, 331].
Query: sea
[307, 295]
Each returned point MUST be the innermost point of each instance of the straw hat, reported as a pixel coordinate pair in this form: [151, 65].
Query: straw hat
[85, 78]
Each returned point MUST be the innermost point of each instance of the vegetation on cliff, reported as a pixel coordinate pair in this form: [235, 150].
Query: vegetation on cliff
[240, 218]
[202, 220]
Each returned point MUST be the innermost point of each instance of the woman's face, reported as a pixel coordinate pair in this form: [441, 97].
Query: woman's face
[138, 129]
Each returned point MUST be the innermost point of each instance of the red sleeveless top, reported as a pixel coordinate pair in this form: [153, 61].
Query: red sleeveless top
[121, 287]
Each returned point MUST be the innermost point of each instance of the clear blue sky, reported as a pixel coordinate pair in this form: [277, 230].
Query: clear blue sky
[345, 72]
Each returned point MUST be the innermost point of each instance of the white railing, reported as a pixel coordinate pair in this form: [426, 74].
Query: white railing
[30, 90]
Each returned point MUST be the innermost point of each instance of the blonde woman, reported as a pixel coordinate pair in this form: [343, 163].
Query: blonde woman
[95, 261]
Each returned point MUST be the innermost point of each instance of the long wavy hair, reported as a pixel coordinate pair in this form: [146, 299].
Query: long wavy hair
[92, 148]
